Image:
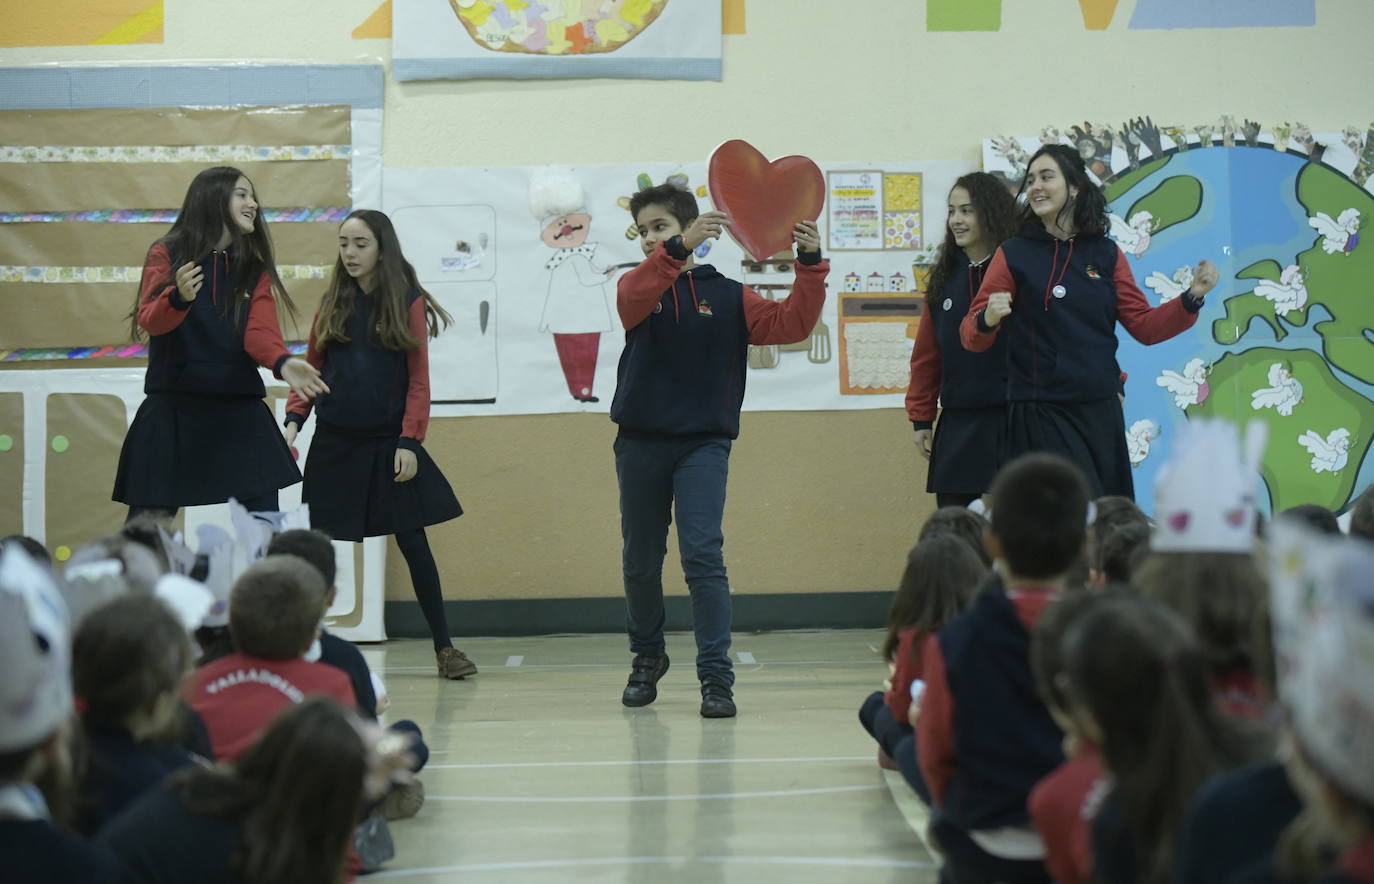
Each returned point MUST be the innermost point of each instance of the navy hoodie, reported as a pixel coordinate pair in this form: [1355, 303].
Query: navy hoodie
[682, 372]
[1062, 348]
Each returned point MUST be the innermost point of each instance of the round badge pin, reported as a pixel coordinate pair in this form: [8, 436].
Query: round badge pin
[949, 302]
[1059, 291]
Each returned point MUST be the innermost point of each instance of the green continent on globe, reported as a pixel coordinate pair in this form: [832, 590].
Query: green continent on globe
[1326, 405]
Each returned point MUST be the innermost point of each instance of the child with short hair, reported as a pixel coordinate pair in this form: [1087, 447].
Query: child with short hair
[680, 386]
[979, 685]
[1362, 516]
[128, 661]
[1140, 681]
[941, 574]
[35, 706]
[1120, 553]
[274, 613]
[1111, 511]
[1315, 516]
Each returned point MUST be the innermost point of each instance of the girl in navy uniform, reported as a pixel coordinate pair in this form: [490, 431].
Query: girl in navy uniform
[367, 473]
[971, 388]
[208, 304]
[1060, 288]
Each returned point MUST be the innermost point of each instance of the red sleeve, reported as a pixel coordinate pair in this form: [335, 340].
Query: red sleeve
[262, 337]
[416, 419]
[935, 725]
[923, 391]
[1148, 325]
[997, 279]
[904, 659]
[299, 405]
[790, 320]
[160, 307]
[638, 290]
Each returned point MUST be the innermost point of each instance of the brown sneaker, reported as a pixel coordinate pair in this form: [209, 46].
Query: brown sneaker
[453, 663]
[403, 801]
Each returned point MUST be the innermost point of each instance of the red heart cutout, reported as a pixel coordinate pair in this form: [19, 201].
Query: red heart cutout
[762, 199]
[1236, 516]
[1179, 521]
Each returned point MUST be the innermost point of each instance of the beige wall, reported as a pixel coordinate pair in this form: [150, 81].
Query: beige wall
[818, 501]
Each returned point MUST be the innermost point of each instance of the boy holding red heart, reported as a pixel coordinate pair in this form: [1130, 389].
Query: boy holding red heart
[680, 385]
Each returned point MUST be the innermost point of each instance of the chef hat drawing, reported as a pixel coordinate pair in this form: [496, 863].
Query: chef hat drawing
[35, 655]
[555, 192]
[1322, 610]
[1205, 493]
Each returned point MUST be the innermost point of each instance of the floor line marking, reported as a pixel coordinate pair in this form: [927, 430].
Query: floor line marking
[636, 762]
[746, 658]
[515, 660]
[840, 861]
[611, 799]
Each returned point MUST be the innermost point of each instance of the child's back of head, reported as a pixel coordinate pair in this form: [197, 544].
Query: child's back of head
[1221, 596]
[275, 607]
[1120, 552]
[1138, 675]
[313, 546]
[128, 659]
[1316, 517]
[1362, 516]
[1039, 515]
[942, 573]
[960, 522]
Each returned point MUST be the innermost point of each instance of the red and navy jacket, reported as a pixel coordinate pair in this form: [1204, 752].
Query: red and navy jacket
[193, 346]
[682, 372]
[371, 389]
[983, 736]
[1356, 865]
[1062, 347]
[941, 369]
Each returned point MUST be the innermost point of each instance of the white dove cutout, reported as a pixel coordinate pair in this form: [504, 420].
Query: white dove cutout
[1282, 394]
[1138, 439]
[1170, 287]
[1189, 388]
[1339, 235]
[1329, 455]
[1289, 293]
[1134, 235]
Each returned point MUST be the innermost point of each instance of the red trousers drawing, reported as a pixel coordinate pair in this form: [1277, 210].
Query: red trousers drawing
[577, 354]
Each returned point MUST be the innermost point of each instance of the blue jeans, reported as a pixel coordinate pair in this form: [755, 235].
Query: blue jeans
[654, 476]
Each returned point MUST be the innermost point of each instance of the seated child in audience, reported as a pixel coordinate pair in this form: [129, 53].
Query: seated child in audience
[315, 547]
[1109, 513]
[274, 614]
[1202, 564]
[128, 661]
[283, 811]
[36, 551]
[984, 737]
[941, 575]
[1318, 518]
[35, 708]
[1362, 516]
[1139, 681]
[1120, 552]
[1063, 804]
[961, 522]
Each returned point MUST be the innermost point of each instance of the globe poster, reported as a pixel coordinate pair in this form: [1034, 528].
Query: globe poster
[1284, 338]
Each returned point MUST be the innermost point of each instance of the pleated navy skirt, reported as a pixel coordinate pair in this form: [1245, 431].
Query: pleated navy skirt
[966, 451]
[1091, 434]
[350, 484]
[186, 449]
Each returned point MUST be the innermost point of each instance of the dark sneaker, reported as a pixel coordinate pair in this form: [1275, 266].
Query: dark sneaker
[717, 700]
[645, 671]
[453, 663]
[403, 801]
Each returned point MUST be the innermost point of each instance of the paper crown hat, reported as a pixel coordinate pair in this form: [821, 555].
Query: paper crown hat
[35, 691]
[1205, 493]
[1323, 615]
[554, 193]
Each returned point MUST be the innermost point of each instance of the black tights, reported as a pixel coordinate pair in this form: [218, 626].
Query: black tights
[424, 576]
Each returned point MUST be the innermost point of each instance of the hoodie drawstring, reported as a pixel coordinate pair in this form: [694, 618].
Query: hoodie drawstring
[677, 313]
[677, 316]
[693, 286]
[1054, 262]
[214, 276]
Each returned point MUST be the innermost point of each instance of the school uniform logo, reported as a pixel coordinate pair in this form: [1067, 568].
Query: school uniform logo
[1092, 272]
[658, 308]
[704, 308]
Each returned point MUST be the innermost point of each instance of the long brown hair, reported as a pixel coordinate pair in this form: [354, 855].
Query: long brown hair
[1137, 670]
[1223, 597]
[126, 654]
[941, 574]
[396, 279]
[203, 218]
[996, 216]
[296, 795]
